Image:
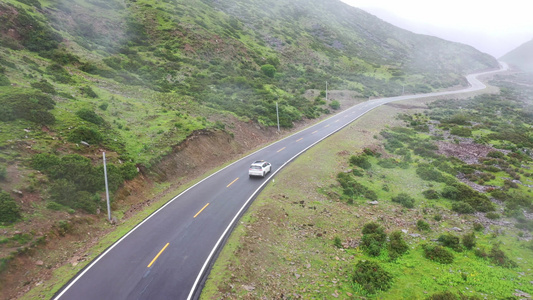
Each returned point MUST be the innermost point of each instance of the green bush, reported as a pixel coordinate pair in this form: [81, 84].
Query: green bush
[374, 238]
[4, 81]
[3, 172]
[427, 172]
[492, 215]
[431, 194]
[59, 74]
[88, 91]
[438, 254]
[499, 257]
[496, 154]
[129, 170]
[443, 296]
[361, 161]
[90, 116]
[405, 200]
[461, 131]
[32, 106]
[450, 241]
[85, 134]
[268, 70]
[44, 86]
[9, 210]
[478, 227]
[422, 225]
[371, 277]
[469, 240]
[397, 246]
[44, 161]
[335, 105]
[337, 242]
[462, 208]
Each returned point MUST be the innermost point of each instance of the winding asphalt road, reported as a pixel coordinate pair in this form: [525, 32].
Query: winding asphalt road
[169, 254]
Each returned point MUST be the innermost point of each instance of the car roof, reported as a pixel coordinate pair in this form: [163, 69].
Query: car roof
[258, 162]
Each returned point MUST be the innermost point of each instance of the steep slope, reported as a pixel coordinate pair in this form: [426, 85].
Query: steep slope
[521, 57]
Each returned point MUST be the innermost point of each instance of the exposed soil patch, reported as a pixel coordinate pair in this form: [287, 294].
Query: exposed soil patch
[465, 151]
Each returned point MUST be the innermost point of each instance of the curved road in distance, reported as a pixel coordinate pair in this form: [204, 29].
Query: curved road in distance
[169, 254]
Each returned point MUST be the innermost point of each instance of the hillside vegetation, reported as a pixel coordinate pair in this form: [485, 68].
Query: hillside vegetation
[137, 78]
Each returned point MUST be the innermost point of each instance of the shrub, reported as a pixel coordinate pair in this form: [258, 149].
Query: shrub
[88, 91]
[496, 154]
[3, 172]
[335, 105]
[268, 70]
[9, 210]
[85, 134]
[337, 242]
[443, 296]
[426, 172]
[492, 215]
[462, 208]
[422, 225]
[437, 218]
[44, 161]
[478, 227]
[32, 106]
[397, 246]
[90, 116]
[431, 194]
[461, 131]
[44, 86]
[371, 277]
[450, 241]
[405, 200]
[361, 161]
[450, 192]
[438, 254]
[469, 241]
[104, 106]
[499, 257]
[374, 238]
[129, 170]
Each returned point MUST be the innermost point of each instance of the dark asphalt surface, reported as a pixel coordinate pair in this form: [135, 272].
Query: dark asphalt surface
[168, 255]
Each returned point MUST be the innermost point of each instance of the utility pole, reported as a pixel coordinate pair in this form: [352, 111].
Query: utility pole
[277, 114]
[107, 191]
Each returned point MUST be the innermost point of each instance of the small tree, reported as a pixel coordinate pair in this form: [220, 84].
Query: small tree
[374, 238]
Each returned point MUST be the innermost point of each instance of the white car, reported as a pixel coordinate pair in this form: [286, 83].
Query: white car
[259, 168]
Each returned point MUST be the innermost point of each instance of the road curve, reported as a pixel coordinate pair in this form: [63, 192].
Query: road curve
[169, 254]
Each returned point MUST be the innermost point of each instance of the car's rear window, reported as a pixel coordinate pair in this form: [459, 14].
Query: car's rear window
[255, 167]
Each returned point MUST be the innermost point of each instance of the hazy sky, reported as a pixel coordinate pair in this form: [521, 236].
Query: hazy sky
[493, 27]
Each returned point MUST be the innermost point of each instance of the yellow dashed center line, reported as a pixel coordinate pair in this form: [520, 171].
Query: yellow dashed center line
[232, 182]
[201, 210]
[326, 126]
[157, 256]
[282, 149]
[337, 121]
[299, 139]
[314, 132]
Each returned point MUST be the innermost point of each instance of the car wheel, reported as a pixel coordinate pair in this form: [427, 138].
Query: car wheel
[263, 174]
